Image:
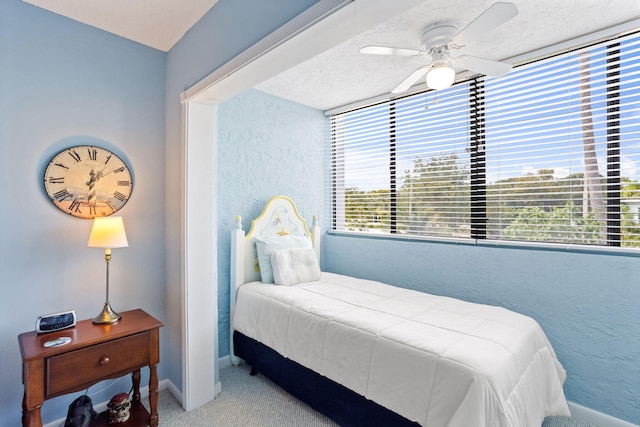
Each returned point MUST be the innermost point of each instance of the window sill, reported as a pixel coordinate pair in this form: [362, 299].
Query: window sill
[538, 246]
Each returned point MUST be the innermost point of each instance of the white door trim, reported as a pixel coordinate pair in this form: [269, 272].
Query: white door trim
[322, 26]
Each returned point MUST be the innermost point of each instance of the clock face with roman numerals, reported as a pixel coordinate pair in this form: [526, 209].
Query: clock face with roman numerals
[88, 181]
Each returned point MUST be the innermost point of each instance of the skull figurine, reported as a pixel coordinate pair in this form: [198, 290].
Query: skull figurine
[119, 408]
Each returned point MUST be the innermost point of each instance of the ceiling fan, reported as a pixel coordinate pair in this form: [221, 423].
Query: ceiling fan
[439, 39]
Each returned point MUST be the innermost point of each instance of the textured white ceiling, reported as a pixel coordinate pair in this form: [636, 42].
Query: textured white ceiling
[342, 75]
[155, 23]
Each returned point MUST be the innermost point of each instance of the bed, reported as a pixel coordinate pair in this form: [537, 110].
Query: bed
[366, 353]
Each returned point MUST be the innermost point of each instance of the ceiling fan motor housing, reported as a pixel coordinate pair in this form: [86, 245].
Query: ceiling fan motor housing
[438, 34]
[439, 38]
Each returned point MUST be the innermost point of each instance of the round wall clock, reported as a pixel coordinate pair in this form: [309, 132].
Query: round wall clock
[87, 181]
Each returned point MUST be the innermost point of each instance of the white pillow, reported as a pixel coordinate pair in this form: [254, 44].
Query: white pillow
[292, 266]
[268, 245]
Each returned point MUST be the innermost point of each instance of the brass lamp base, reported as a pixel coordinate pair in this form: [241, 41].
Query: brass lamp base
[107, 315]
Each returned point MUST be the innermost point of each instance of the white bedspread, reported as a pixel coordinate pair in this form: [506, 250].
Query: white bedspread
[434, 360]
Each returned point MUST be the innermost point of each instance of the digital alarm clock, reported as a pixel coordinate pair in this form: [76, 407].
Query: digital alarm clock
[55, 321]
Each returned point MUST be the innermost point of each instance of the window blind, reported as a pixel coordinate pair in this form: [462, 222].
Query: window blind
[558, 155]
[549, 152]
[392, 174]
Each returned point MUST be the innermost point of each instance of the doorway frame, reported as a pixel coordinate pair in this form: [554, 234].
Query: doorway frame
[325, 24]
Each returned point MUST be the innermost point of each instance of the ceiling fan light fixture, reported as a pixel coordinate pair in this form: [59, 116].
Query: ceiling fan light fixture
[439, 38]
[440, 77]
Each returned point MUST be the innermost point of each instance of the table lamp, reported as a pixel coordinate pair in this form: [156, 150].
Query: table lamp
[107, 232]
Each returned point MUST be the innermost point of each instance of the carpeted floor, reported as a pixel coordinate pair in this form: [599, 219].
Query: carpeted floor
[247, 401]
[244, 401]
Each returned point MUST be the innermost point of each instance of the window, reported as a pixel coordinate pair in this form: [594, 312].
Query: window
[549, 152]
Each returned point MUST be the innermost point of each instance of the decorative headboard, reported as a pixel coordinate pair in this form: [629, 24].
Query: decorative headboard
[279, 217]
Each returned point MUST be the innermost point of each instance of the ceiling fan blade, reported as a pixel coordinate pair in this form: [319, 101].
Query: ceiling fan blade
[383, 50]
[409, 81]
[496, 15]
[482, 65]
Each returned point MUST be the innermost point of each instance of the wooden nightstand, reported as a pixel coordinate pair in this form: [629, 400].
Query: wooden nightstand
[95, 353]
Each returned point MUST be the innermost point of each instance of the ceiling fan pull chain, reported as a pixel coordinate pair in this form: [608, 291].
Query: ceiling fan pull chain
[426, 99]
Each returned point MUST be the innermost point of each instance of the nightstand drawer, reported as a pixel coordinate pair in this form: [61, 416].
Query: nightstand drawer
[73, 370]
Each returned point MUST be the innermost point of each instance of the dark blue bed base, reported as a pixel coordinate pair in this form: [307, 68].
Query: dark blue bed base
[337, 402]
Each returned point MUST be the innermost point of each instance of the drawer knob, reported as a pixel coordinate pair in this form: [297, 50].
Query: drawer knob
[104, 360]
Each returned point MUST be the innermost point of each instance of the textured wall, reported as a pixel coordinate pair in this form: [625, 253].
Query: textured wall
[588, 304]
[230, 27]
[266, 147]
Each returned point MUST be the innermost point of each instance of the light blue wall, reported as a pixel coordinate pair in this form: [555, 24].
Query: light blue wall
[64, 83]
[266, 147]
[229, 28]
[588, 304]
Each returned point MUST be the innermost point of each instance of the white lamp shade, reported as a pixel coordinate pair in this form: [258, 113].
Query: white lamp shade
[108, 232]
[440, 77]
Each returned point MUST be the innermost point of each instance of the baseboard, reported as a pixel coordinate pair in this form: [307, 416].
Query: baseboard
[597, 418]
[173, 389]
[594, 417]
[223, 362]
